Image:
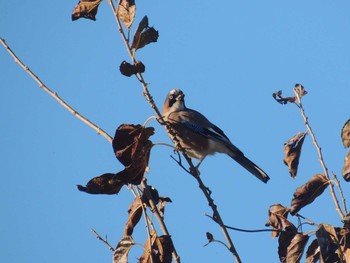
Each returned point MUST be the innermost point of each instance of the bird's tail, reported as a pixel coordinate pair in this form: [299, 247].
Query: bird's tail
[251, 167]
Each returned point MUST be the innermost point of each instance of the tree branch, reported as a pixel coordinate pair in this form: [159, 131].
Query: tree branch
[318, 148]
[193, 169]
[55, 95]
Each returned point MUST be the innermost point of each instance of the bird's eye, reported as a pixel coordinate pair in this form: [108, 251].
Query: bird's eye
[171, 97]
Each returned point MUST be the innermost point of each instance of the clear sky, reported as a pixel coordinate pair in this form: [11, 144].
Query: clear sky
[228, 57]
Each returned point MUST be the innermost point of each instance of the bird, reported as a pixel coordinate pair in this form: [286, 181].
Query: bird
[199, 137]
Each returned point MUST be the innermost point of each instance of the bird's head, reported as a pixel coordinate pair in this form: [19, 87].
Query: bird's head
[175, 101]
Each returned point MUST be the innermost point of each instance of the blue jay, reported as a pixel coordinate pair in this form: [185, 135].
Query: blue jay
[199, 136]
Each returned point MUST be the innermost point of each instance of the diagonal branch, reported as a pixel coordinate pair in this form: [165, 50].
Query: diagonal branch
[55, 95]
[193, 169]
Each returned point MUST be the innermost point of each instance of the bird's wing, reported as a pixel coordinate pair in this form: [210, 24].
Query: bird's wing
[198, 123]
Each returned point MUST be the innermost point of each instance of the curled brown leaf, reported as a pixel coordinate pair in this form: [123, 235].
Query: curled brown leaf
[346, 168]
[299, 89]
[308, 192]
[86, 9]
[161, 249]
[282, 100]
[129, 142]
[292, 152]
[128, 69]
[328, 242]
[313, 252]
[144, 35]
[345, 134]
[284, 241]
[296, 248]
[126, 12]
[132, 148]
[107, 183]
[278, 219]
[135, 213]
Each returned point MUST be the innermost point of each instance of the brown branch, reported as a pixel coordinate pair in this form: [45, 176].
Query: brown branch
[319, 151]
[55, 95]
[340, 192]
[103, 240]
[194, 171]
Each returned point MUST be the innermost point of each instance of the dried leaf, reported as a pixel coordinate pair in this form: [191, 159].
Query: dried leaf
[144, 35]
[132, 148]
[128, 69]
[284, 100]
[345, 238]
[308, 192]
[161, 251]
[292, 151]
[126, 12]
[346, 168]
[313, 252]
[129, 139]
[296, 248]
[135, 213]
[121, 252]
[86, 9]
[148, 36]
[284, 241]
[327, 238]
[345, 134]
[165, 247]
[278, 219]
[107, 183]
[278, 97]
[142, 25]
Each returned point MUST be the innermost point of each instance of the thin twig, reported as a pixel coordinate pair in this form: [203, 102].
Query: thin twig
[246, 230]
[336, 180]
[103, 240]
[318, 148]
[55, 95]
[144, 212]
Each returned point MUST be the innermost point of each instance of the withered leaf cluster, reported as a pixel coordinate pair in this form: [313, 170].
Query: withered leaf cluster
[132, 148]
[128, 69]
[86, 9]
[162, 246]
[332, 244]
[292, 152]
[299, 89]
[144, 35]
[345, 136]
[161, 249]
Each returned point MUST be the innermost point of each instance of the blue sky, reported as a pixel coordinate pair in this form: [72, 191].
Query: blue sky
[228, 58]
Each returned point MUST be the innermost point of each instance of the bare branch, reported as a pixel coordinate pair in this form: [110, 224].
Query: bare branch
[193, 170]
[103, 240]
[319, 151]
[55, 95]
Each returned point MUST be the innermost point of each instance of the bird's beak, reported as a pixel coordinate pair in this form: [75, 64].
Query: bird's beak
[180, 97]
